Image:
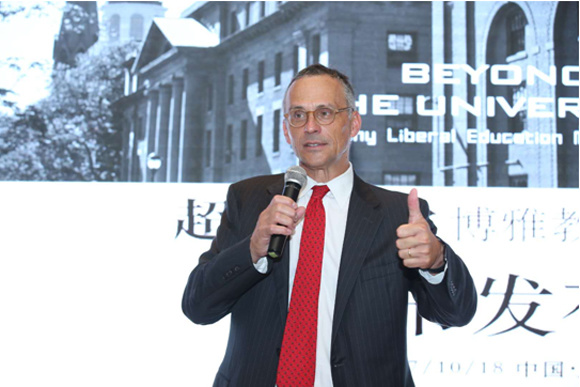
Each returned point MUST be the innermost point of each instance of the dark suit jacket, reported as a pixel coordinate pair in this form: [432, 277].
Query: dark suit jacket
[370, 317]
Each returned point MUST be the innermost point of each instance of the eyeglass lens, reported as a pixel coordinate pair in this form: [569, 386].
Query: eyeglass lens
[323, 116]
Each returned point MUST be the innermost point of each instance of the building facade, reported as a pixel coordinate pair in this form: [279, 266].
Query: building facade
[213, 112]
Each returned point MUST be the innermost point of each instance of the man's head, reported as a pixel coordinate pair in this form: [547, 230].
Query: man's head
[318, 69]
[320, 120]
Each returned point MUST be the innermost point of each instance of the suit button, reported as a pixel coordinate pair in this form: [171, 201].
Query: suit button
[453, 289]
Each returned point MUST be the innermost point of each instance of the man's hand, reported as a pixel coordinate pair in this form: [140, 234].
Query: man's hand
[418, 246]
[280, 217]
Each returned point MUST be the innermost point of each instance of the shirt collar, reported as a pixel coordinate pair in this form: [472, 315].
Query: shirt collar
[340, 187]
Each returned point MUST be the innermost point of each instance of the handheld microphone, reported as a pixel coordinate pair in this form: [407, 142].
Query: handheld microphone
[294, 179]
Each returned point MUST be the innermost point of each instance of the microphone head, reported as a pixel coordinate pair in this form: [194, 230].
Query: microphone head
[295, 174]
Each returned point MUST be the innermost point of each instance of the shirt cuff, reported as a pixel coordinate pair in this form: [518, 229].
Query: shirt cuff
[262, 265]
[434, 279]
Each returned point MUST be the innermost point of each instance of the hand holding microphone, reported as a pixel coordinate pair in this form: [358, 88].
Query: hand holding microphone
[279, 219]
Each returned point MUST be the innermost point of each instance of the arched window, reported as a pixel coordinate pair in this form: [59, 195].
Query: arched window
[114, 27]
[137, 27]
[515, 30]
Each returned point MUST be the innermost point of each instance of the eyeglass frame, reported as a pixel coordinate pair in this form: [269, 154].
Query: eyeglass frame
[335, 111]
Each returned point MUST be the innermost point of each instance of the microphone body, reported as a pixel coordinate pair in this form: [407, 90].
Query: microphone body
[294, 178]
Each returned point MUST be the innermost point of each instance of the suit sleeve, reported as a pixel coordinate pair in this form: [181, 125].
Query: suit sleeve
[453, 302]
[224, 273]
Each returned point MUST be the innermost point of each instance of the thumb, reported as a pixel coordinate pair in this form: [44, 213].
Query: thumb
[300, 212]
[414, 209]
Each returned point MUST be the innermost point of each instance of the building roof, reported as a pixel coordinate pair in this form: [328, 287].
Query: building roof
[192, 8]
[168, 34]
[186, 32]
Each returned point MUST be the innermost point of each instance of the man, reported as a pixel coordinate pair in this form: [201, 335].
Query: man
[333, 310]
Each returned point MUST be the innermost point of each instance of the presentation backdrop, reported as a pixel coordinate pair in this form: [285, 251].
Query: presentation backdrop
[105, 210]
[92, 278]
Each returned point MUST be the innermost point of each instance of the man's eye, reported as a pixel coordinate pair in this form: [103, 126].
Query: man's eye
[298, 114]
[324, 113]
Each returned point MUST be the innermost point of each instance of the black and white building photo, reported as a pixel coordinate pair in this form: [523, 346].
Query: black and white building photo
[469, 94]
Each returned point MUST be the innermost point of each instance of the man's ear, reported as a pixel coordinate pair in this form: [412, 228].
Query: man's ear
[355, 123]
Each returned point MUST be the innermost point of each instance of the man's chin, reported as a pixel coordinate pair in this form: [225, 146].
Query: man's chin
[313, 164]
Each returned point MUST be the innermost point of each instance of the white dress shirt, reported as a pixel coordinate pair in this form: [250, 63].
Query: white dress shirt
[336, 203]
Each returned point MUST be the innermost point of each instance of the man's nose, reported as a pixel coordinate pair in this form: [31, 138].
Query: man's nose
[311, 126]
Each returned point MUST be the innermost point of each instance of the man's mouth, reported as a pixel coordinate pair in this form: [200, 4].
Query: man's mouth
[313, 144]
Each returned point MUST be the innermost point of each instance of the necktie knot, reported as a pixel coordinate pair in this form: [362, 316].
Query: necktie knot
[318, 191]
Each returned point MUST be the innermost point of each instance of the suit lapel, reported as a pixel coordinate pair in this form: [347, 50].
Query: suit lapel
[281, 268]
[361, 226]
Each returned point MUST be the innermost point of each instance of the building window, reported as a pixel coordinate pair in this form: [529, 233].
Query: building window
[404, 105]
[140, 128]
[137, 27]
[296, 59]
[401, 47]
[229, 144]
[276, 131]
[245, 84]
[516, 31]
[259, 136]
[230, 89]
[262, 9]
[207, 149]
[278, 69]
[519, 122]
[248, 12]
[209, 97]
[114, 27]
[315, 49]
[244, 140]
[234, 26]
[261, 70]
[406, 117]
[518, 181]
[401, 179]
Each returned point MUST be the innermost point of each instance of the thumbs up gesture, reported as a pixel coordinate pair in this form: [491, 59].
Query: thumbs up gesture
[418, 246]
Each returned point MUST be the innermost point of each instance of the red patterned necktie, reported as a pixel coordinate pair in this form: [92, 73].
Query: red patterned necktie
[297, 364]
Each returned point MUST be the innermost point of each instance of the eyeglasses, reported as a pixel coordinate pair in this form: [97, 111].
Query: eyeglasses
[322, 115]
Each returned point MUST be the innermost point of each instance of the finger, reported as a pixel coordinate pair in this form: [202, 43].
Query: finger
[284, 200]
[284, 220]
[414, 209]
[281, 209]
[275, 215]
[410, 261]
[414, 257]
[413, 263]
[279, 229]
[407, 251]
[421, 256]
[300, 212]
[409, 230]
[406, 243]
